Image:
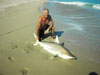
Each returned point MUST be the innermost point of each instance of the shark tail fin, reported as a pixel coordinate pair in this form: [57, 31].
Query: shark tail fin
[57, 40]
[37, 42]
[34, 35]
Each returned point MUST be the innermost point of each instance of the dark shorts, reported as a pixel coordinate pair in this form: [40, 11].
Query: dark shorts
[41, 31]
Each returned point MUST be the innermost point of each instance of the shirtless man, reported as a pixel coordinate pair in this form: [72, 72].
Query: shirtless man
[44, 25]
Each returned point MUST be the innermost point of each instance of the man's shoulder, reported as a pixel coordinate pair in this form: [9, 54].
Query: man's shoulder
[41, 16]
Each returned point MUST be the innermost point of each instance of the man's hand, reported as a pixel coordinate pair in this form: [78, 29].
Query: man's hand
[47, 31]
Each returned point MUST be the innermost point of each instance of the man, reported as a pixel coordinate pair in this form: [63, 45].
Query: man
[44, 25]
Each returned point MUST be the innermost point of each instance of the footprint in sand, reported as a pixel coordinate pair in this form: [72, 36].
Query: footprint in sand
[14, 46]
[11, 58]
[28, 49]
[25, 71]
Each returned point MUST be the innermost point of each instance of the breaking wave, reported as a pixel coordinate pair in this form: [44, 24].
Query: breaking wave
[97, 6]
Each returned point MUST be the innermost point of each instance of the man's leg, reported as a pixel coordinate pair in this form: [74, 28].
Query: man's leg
[52, 32]
[41, 34]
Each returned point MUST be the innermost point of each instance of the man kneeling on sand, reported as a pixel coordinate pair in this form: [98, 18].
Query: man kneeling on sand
[44, 25]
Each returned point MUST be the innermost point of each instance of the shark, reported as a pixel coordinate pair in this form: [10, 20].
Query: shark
[55, 48]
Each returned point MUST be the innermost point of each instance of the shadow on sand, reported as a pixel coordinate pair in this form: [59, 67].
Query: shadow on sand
[92, 73]
[57, 33]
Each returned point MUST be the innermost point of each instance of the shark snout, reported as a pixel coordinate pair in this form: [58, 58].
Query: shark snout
[64, 56]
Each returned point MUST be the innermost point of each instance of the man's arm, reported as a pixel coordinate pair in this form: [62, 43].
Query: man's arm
[37, 28]
[50, 23]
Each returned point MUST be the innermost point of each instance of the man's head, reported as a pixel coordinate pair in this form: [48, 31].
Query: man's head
[45, 12]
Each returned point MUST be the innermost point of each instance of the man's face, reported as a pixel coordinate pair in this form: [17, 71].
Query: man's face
[45, 13]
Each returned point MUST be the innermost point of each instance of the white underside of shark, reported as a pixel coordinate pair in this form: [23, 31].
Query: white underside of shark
[55, 48]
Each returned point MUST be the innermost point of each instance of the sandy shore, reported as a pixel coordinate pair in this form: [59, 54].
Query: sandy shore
[17, 25]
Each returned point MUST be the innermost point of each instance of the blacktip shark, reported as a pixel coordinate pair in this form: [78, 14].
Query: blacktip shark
[55, 48]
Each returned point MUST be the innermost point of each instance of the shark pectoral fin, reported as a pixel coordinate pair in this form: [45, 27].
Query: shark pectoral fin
[34, 35]
[36, 43]
[62, 44]
[57, 40]
[54, 57]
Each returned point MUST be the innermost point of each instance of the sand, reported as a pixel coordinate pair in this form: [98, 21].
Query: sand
[17, 25]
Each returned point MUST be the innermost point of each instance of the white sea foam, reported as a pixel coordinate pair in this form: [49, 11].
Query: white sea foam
[74, 3]
[97, 6]
[79, 17]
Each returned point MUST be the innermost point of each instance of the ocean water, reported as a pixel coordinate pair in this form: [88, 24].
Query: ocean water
[88, 3]
[78, 26]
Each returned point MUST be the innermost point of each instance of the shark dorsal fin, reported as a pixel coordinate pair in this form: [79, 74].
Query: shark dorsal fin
[57, 40]
[37, 42]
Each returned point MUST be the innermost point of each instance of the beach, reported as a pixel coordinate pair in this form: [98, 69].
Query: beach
[18, 56]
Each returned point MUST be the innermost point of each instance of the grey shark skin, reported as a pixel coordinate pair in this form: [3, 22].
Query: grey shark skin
[56, 49]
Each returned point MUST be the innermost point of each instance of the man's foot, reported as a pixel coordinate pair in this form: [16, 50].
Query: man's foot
[52, 38]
